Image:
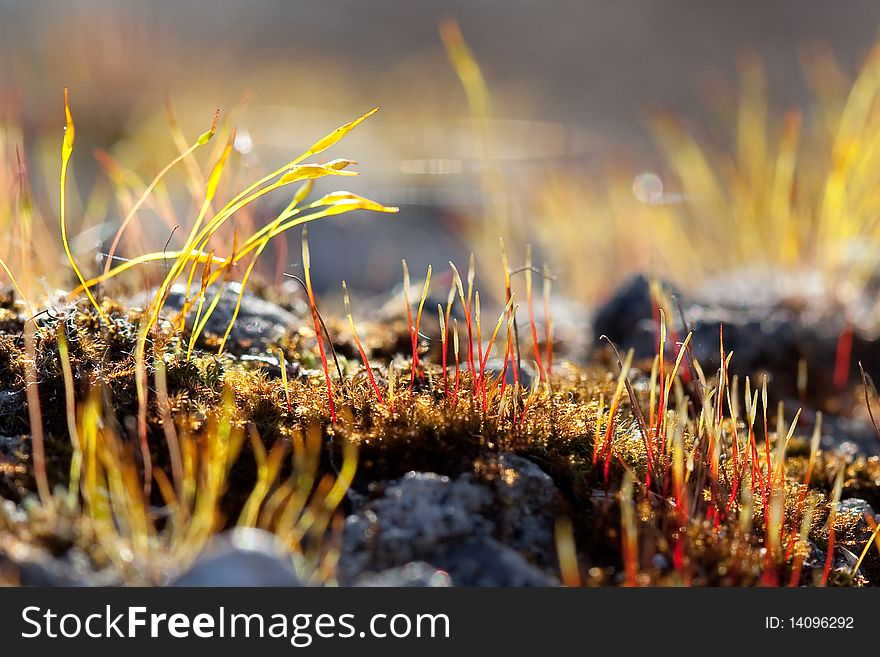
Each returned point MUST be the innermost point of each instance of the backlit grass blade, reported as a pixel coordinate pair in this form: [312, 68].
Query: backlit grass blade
[66, 152]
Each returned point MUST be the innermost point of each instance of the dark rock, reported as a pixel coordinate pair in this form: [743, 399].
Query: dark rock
[74, 568]
[37, 546]
[242, 557]
[495, 529]
[627, 318]
[848, 435]
[483, 561]
[417, 515]
[768, 325]
[259, 323]
[528, 504]
[34, 566]
[47, 573]
[857, 534]
[842, 565]
[772, 320]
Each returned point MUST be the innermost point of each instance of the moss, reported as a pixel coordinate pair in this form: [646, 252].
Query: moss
[423, 431]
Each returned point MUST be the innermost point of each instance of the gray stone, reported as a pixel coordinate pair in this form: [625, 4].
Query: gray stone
[772, 319]
[483, 561]
[842, 564]
[259, 323]
[416, 514]
[529, 504]
[413, 574]
[855, 506]
[494, 531]
[857, 534]
[36, 567]
[848, 435]
[242, 557]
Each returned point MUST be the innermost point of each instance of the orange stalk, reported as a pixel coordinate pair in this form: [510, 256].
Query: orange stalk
[418, 326]
[284, 382]
[484, 358]
[532, 394]
[767, 482]
[597, 429]
[535, 347]
[450, 299]
[548, 322]
[661, 352]
[511, 316]
[318, 336]
[799, 558]
[455, 352]
[479, 385]
[360, 346]
[832, 517]
[466, 307]
[612, 412]
[444, 336]
[468, 311]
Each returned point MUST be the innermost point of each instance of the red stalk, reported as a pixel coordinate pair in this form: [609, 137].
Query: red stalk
[843, 356]
[318, 335]
[548, 321]
[360, 346]
[535, 347]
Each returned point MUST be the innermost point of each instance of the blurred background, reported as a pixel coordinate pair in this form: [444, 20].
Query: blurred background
[572, 82]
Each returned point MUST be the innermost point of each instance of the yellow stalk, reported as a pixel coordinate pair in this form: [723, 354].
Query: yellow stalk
[66, 152]
[202, 140]
[565, 548]
[206, 272]
[70, 403]
[168, 425]
[268, 468]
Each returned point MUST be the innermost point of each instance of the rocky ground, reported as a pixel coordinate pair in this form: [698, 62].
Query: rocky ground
[484, 515]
